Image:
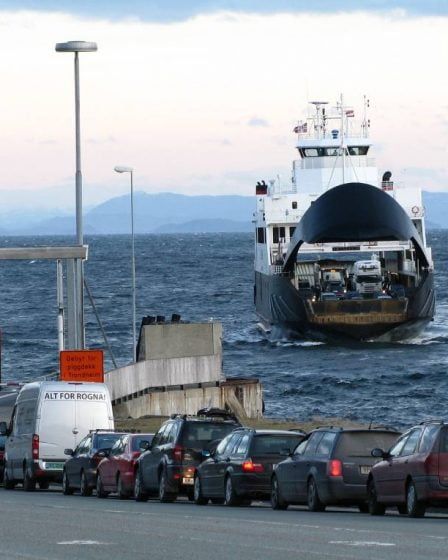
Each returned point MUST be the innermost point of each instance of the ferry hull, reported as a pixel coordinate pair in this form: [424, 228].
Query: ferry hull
[279, 303]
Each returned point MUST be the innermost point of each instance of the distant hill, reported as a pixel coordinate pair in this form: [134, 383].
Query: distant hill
[177, 213]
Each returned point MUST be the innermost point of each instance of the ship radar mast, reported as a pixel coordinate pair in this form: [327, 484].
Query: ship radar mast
[321, 118]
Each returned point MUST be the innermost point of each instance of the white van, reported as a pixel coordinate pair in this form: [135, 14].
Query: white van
[48, 417]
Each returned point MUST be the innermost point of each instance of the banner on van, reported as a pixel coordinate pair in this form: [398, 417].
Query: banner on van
[81, 365]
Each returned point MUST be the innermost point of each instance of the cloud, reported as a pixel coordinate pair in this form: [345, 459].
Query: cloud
[256, 121]
[180, 10]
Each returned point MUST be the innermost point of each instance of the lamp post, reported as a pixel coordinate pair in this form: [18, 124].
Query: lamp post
[130, 170]
[78, 301]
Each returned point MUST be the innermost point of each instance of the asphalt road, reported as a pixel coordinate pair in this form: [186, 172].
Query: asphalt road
[49, 525]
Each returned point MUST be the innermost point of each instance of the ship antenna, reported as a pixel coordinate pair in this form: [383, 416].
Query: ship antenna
[342, 138]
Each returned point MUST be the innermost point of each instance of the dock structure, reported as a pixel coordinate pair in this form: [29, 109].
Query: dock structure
[180, 371]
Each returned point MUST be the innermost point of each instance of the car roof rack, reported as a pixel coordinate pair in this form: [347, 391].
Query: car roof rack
[213, 412]
[105, 430]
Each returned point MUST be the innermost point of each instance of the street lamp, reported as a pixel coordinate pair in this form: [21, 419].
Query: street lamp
[130, 170]
[78, 327]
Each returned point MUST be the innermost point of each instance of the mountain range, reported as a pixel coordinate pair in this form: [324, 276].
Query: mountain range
[176, 213]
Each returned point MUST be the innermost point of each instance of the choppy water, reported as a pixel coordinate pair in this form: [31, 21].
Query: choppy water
[211, 276]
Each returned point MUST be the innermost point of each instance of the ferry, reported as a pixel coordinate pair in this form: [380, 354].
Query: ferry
[339, 252]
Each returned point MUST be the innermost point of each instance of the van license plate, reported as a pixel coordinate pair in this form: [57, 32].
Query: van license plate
[188, 481]
[54, 466]
[365, 469]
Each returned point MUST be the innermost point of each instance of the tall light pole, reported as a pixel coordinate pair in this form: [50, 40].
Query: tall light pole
[78, 287]
[130, 170]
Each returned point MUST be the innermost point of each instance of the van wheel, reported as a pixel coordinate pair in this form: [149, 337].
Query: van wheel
[313, 500]
[413, 506]
[67, 490]
[84, 487]
[8, 483]
[164, 496]
[29, 482]
[44, 484]
[375, 508]
[139, 494]
[122, 494]
[100, 492]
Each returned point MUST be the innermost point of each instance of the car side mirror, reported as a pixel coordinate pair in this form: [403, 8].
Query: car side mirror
[3, 429]
[378, 453]
[286, 452]
[68, 452]
[205, 454]
[144, 445]
[102, 453]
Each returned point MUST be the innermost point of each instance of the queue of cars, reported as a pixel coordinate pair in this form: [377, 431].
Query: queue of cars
[211, 457]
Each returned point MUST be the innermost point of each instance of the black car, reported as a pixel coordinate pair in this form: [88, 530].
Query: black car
[80, 471]
[241, 467]
[330, 466]
[168, 467]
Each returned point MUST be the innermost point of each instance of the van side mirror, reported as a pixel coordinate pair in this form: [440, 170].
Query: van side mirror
[3, 429]
[68, 452]
[144, 445]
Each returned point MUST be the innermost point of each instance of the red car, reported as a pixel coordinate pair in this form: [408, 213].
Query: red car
[116, 472]
[413, 474]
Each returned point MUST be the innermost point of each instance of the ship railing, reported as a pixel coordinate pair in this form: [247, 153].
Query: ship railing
[277, 270]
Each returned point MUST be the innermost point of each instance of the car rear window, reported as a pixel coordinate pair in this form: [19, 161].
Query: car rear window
[274, 444]
[360, 444]
[135, 445]
[198, 434]
[106, 441]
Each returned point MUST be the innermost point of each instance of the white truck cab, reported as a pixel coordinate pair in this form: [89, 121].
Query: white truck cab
[367, 276]
[48, 417]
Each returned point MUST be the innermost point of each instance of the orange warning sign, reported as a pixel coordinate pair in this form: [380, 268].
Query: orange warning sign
[81, 365]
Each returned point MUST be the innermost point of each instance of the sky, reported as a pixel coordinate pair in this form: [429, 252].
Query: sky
[201, 96]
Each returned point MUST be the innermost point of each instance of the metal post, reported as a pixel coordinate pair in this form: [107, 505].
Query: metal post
[134, 334]
[60, 299]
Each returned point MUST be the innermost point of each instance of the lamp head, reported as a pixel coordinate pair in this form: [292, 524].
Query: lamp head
[123, 169]
[76, 46]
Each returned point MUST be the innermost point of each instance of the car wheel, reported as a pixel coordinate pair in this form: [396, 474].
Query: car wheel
[199, 499]
[139, 494]
[84, 486]
[44, 484]
[277, 502]
[100, 492]
[8, 483]
[375, 508]
[164, 496]
[363, 507]
[122, 493]
[67, 490]
[230, 497]
[414, 508]
[29, 482]
[313, 500]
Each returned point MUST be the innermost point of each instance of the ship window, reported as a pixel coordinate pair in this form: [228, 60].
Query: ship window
[313, 152]
[333, 151]
[291, 232]
[275, 235]
[294, 205]
[282, 233]
[261, 235]
[358, 150]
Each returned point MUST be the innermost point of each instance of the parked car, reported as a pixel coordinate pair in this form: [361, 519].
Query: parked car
[330, 466]
[116, 472]
[241, 467]
[80, 470]
[2, 456]
[49, 416]
[413, 474]
[167, 469]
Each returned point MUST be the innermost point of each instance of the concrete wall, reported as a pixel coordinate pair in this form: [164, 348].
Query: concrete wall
[179, 340]
[243, 397]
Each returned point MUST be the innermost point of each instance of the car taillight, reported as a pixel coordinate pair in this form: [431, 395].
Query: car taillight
[178, 453]
[334, 467]
[250, 466]
[35, 446]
